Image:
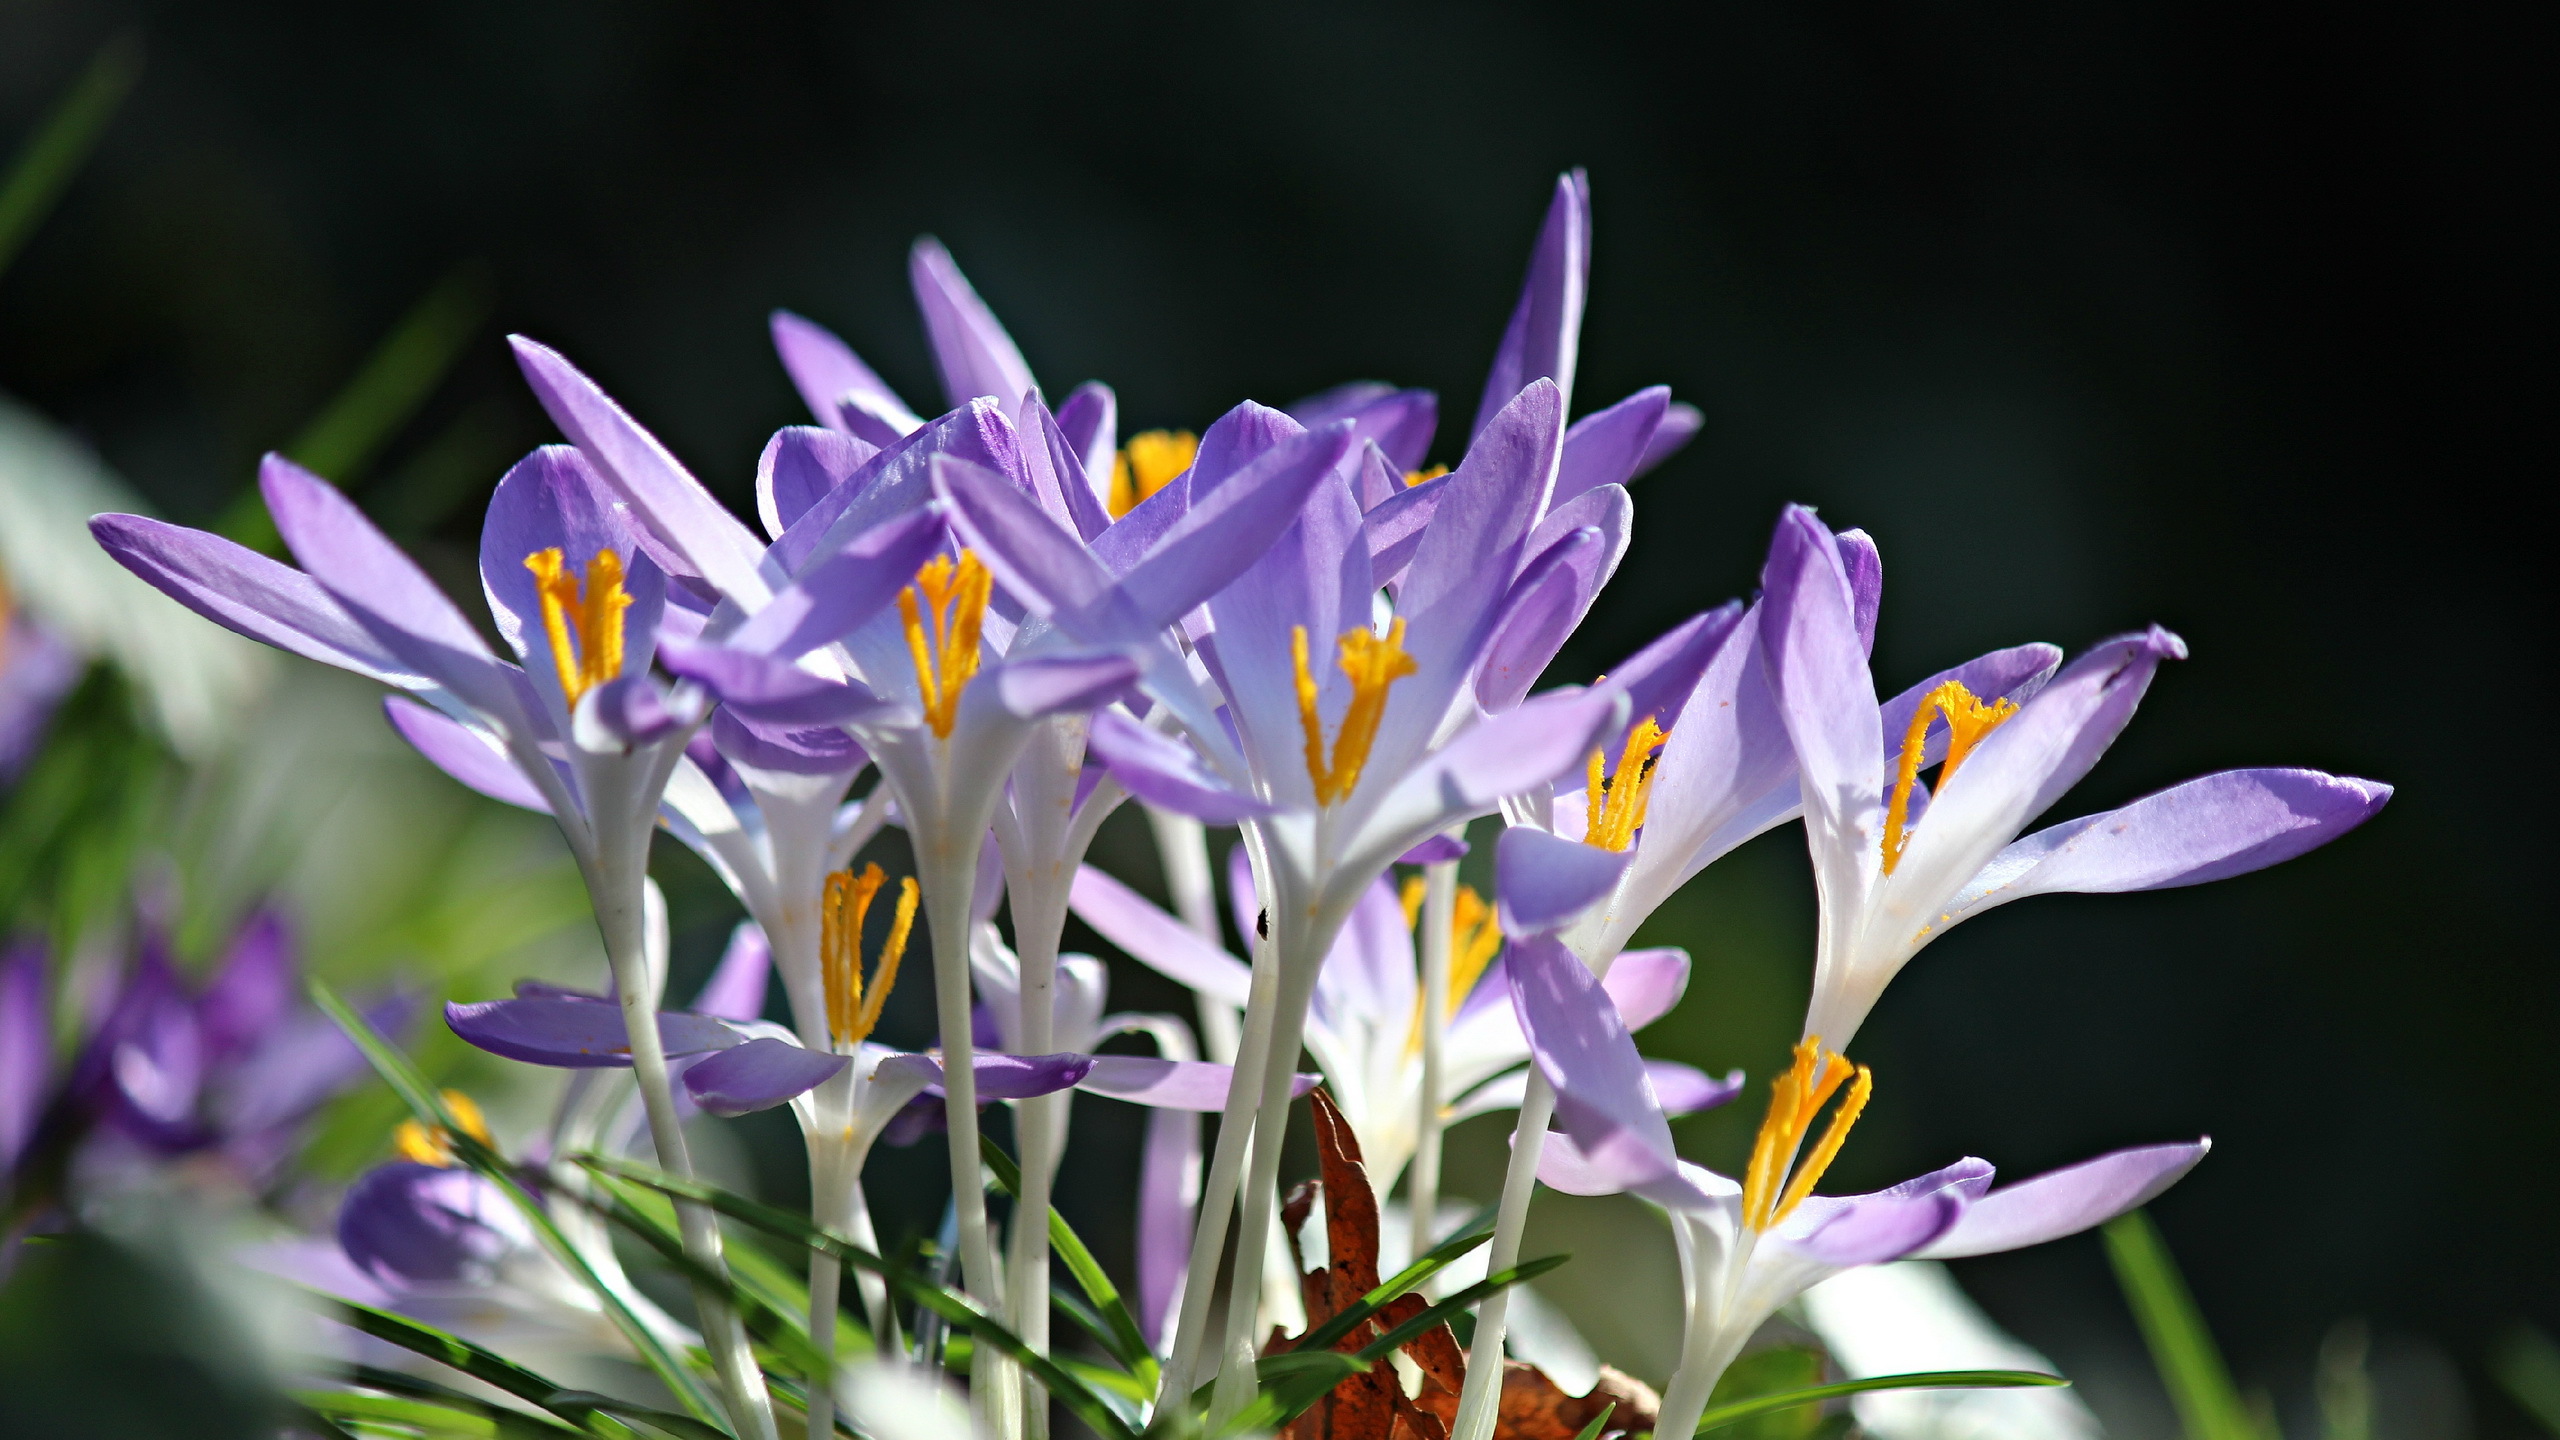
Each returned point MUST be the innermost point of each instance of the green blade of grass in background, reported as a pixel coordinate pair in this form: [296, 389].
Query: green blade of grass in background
[63, 140]
[2527, 1365]
[385, 393]
[1723, 1415]
[2190, 1364]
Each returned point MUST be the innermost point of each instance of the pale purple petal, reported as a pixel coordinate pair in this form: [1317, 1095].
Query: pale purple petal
[1230, 527]
[1370, 970]
[1168, 1084]
[1659, 679]
[409, 1225]
[241, 590]
[900, 479]
[2066, 1201]
[758, 1075]
[800, 466]
[825, 370]
[255, 988]
[1603, 1099]
[1647, 983]
[1543, 883]
[1545, 333]
[299, 1065]
[1060, 472]
[1816, 665]
[623, 713]
[1545, 604]
[1089, 419]
[970, 350]
[1156, 939]
[1870, 1230]
[576, 1034]
[1163, 771]
[1399, 422]
[1235, 440]
[344, 551]
[1479, 537]
[685, 530]
[1041, 685]
[1680, 424]
[1864, 565]
[1563, 1164]
[2014, 674]
[1509, 754]
[1019, 1077]
[1606, 447]
[1168, 1194]
[1686, 1089]
[785, 748]
[2206, 829]
[1437, 850]
[839, 593]
[26, 1046]
[1394, 526]
[1036, 559]
[736, 988]
[770, 691]
[552, 499]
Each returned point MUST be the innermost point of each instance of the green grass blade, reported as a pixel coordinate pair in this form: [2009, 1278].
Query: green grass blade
[1917, 1380]
[775, 1323]
[1285, 1384]
[1598, 1423]
[428, 1106]
[1440, 1257]
[578, 1407]
[62, 142]
[960, 1310]
[2527, 1366]
[2190, 1364]
[1406, 1333]
[512, 1424]
[1126, 1342]
[425, 1416]
[383, 395]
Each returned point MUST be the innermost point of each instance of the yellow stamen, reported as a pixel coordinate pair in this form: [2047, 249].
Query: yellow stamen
[1776, 1183]
[583, 619]
[1617, 801]
[433, 1145]
[1148, 464]
[1411, 897]
[1475, 937]
[1416, 477]
[851, 1014]
[1373, 665]
[1969, 718]
[946, 656]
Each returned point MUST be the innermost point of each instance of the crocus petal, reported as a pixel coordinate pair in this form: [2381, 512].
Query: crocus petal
[798, 468]
[1871, 1229]
[1864, 565]
[2066, 1201]
[1089, 419]
[825, 370]
[1680, 424]
[758, 1075]
[897, 480]
[26, 1046]
[1659, 679]
[1394, 527]
[2206, 829]
[842, 591]
[576, 1034]
[684, 528]
[1437, 850]
[2014, 674]
[1039, 562]
[1817, 666]
[1058, 684]
[468, 755]
[1686, 1089]
[783, 748]
[736, 988]
[343, 550]
[552, 499]
[1019, 1077]
[1606, 447]
[1545, 333]
[1542, 883]
[1647, 983]
[620, 714]
[243, 591]
[972, 352]
[1230, 527]
[1156, 939]
[409, 1225]
[1539, 614]
[768, 690]
[1509, 754]
[1062, 469]
[1169, 1084]
[1603, 1099]
[1398, 422]
[255, 988]
[1563, 1164]
[1479, 536]
[1162, 771]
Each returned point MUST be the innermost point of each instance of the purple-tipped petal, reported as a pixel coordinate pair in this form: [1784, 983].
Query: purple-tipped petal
[970, 350]
[2014, 674]
[1607, 447]
[1162, 771]
[623, 713]
[1817, 667]
[1399, 422]
[1062, 470]
[26, 1046]
[1864, 565]
[1509, 754]
[1168, 1084]
[1041, 685]
[1680, 425]
[1545, 333]
[1230, 527]
[409, 1225]
[682, 526]
[1438, 850]
[1394, 526]
[825, 370]
[254, 991]
[243, 591]
[837, 594]
[1543, 883]
[1089, 419]
[576, 1034]
[1871, 1229]
[1647, 983]
[1156, 939]
[1659, 679]
[801, 464]
[770, 691]
[553, 499]
[1539, 614]
[1686, 1089]
[1019, 1077]
[1038, 561]
[1603, 1098]
[2066, 1201]
[736, 988]
[758, 1075]
[344, 551]
[2206, 829]
[1480, 531]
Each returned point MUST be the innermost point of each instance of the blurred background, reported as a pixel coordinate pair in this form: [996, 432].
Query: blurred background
[2230, 317]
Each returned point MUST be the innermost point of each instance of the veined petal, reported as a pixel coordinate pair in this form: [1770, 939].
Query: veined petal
[1509, 754]
[897, 480]
[1089, 418]
[1564, 1164]
[1603, 1099]
[1399, 422]
[1169, 1084]
[468, 755]
[1156, 939]
[1039, 685]
[576, 1034]
[1864, 566]
[1543, 883]
[1019, 1077]
[1544, 607]
[1059, 473]
[1608, 447]
[2066, 1201]
[839, 593]
[1229, 527]
[685, 530]
[970, 350]
[2206, 829]
[552, 499]
[1039, 562]
[343, 550]
[1545, 333]
[800, 466]
[1647, 983]
[758, 1075]
[1817, 666]
[246, 592]
[1476, 542]
[825, 370]
[1680, 424]
[1393, 527]
[770, 691]
[2014, 674]
[1686, 1089]
[1163, 771]
[1659, 679]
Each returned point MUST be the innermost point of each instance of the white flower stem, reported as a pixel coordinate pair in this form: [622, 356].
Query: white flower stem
[616, 875]
[1479, 1405]
[1236, 1378]
[1439, 920]
[1039, 1123]
[1706, 1351]
[1182, 846]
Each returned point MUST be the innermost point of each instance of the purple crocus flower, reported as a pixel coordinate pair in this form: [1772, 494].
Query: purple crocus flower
[1898, 867]
[37, 668]
[1748, 1248]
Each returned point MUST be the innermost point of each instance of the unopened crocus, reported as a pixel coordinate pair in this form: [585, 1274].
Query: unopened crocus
[1898, 865]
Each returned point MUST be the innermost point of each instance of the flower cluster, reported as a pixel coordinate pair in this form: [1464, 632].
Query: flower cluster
[1285, 624]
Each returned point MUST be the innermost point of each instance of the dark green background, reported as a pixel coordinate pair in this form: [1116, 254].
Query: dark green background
[2233, 317]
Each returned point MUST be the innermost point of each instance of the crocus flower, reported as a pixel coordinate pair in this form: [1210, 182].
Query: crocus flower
[1748, 1248]
[37, 668]
[1898, 866]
